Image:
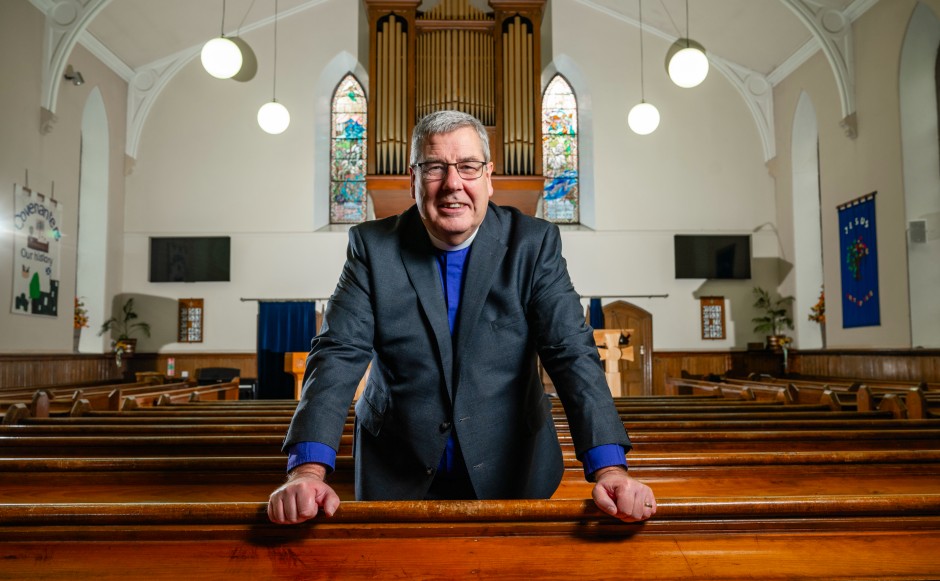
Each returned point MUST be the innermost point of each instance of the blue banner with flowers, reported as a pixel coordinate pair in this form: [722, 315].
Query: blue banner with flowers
[858, 243]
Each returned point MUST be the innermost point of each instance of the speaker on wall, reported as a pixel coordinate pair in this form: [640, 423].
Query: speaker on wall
[917, 230]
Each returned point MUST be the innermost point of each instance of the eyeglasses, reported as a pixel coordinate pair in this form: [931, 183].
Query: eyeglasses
[437, 170]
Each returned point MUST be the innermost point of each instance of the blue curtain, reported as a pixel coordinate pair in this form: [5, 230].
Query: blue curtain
[283, 327]
[858, 242]
[596, 314]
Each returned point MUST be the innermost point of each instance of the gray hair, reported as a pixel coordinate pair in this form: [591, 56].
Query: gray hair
[446, 121]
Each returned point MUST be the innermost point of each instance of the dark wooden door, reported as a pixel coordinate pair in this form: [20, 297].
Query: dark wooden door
[636, 375]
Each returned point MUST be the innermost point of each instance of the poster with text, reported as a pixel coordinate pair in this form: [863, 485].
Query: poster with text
[37, 238]
[858, 244]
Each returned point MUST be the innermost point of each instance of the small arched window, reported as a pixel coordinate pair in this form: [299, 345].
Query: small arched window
[348, 153]
[560, 152]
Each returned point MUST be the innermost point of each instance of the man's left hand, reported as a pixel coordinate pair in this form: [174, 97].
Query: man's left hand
[622, 496]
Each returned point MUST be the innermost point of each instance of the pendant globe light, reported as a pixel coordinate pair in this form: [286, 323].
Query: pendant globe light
[220, 56]
[643, 118]
[686, 62]
[274, 117]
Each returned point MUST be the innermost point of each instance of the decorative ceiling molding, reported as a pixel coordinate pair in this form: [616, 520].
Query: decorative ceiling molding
[796, 60]
[144, 88]
[832, 29]
[105, 55]
[754, 87]
[758, 94]
[66, 20]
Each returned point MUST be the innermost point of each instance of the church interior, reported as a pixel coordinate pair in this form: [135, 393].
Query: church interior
[757, 249]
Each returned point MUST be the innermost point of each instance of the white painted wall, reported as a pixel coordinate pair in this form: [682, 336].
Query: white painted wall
[701, 171]
[205, 168]
[54, 157]
[922, 170]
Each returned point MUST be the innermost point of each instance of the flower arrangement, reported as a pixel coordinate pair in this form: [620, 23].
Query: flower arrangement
[818, 311]
[81, 314]
[120, 347]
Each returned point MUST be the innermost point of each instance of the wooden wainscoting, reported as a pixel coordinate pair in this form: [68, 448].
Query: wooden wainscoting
[40, 369]
[672, 363]
[886, 364]
[191, 361]
[892, 364]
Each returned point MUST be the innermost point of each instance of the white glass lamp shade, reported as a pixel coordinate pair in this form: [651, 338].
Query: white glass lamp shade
[221, 58]
[686, 63]
[643, 119]
[273, 117]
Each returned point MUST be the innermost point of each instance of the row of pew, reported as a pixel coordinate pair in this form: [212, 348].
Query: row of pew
[752, 481]
[902, 400]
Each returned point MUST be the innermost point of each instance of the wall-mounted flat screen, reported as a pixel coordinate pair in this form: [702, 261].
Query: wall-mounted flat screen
[716, 256]
[192, 259]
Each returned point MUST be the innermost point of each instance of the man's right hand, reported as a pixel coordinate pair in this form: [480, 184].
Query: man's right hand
[302, 496]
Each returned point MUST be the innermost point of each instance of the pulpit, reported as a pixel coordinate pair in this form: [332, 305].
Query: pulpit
[295, 363]
[613, 346]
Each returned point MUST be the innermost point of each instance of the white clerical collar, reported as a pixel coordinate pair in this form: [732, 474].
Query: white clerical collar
[441, 245]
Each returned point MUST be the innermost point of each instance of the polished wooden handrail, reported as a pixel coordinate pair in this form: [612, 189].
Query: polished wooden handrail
[476, 511]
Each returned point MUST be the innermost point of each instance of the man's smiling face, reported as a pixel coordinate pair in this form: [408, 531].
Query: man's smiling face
[452, 207]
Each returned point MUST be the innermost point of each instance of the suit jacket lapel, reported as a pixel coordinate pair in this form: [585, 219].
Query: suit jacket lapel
[417, 254]
[485, 255]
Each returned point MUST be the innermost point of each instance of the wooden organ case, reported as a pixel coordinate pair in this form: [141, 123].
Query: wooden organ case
[455, 56]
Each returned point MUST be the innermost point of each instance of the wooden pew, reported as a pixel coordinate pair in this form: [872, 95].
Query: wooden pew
[647, 442]
[840, 485]
[234, 479]
[690, 538]
[83, 426]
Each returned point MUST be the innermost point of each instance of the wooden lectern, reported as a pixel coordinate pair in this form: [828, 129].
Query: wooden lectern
[296, 364]
[611, 353]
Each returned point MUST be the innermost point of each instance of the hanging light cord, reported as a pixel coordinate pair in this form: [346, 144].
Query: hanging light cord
[222, 26]
[687, 34]
[274, 87]
[642, 88]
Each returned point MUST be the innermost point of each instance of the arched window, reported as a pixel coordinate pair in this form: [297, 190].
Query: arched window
[560, 152]
[348, 153]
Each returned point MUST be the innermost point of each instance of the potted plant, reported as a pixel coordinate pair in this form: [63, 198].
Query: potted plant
[775, 317]
[122, 328]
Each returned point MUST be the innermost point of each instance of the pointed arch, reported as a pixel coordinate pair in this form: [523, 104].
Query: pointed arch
[560, 198]
[90, 274]
[348, 122]
[807, 224]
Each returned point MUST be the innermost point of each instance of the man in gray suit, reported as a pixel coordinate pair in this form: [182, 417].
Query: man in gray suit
[453, 302]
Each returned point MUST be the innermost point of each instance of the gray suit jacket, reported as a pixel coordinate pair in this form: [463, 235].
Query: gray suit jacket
[388, 308]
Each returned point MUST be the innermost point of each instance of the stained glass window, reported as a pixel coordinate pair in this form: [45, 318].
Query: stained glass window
[560, 152]
[348, 153]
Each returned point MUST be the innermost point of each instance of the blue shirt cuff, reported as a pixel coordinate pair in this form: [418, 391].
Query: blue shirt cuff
[306, 452]
[602, 457]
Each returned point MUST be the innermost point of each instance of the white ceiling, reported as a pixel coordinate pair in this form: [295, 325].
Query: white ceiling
[760, 35]
[753, 43]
